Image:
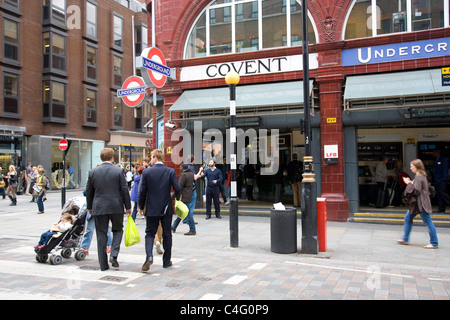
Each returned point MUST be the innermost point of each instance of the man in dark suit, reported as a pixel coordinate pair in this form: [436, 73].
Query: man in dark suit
[154, 195]
[106, 196]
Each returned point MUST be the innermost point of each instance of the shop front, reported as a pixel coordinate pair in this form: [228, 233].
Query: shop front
[130, 147]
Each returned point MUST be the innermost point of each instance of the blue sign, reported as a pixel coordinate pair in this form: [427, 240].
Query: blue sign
[154, 66]
[130, 92]
[396, 52]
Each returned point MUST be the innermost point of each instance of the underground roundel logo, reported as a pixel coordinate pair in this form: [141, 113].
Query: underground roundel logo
[133, 91]
[154, 68]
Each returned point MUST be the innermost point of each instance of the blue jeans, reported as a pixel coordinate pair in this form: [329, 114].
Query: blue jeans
[40, 203]
[190, 217]
[87, 238]
[427, 221]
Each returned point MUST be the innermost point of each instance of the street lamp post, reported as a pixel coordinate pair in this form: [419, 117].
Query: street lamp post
[63, 187]
[310, 242]
[232, 79]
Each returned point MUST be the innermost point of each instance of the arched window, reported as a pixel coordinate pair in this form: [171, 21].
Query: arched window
[369, 18]
[233, 26]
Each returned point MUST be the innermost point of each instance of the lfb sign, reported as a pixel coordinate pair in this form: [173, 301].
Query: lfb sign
[331, 154]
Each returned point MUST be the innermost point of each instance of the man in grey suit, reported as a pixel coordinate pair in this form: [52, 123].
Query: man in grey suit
[106, 196]
[154, 195]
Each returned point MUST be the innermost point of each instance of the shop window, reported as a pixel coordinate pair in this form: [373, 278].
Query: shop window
[233, 26]
[91, 20]
[369, 18]
[10, 94]
[54, 58]
[91, 64]
[54, 101]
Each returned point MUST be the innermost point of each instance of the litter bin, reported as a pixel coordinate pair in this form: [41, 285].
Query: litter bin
[283, 230]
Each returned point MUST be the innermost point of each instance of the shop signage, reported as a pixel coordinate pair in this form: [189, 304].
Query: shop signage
[133, 91]
[153, 67]
[445, 76]
[247, 67]
[396, 52]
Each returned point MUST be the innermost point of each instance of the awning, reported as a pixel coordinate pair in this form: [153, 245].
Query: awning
[249, 96]
[398, 89]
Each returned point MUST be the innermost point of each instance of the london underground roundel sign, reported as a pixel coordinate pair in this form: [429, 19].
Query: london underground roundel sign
[154, 67]
[133, 91]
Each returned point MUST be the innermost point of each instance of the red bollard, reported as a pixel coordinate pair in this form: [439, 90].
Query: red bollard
[322, 223]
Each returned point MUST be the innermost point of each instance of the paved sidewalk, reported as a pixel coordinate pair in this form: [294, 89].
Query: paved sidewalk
[362, 262]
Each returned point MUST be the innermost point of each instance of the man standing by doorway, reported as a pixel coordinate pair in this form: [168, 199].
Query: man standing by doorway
[214, 179]
[295, 169]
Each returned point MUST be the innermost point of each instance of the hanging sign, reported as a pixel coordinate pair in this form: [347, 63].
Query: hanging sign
[153, 67]
[133, 91]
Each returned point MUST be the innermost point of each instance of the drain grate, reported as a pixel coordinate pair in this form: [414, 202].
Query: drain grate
[113, 278]
[204, 279]
[89, 268]
[172, 285]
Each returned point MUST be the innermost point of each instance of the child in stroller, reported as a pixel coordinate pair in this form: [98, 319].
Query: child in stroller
[57, 229]
[60, 244]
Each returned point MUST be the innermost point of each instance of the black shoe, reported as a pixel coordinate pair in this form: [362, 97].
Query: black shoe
[208, 217]
[147, 264]
[169, 264]
[114, 262]
[219, 217]
[104, 269]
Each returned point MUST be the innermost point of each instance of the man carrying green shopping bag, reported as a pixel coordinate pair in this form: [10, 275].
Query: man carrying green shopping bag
[154, 195]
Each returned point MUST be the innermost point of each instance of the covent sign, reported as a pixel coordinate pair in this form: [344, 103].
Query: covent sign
[247, 67]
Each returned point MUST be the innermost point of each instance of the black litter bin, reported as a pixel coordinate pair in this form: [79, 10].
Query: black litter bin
[283, 230]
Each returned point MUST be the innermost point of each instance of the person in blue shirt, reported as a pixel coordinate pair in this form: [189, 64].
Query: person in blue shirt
[214, 179]
[440, 172]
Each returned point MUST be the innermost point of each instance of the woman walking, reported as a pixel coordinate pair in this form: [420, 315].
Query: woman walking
[13, 182]
[424, 208]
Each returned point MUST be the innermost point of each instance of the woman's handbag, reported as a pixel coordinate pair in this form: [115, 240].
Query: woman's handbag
[131, 233]
[2, 183]
[181, 209]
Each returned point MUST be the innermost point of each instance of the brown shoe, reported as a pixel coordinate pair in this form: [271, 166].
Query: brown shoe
[190, 233]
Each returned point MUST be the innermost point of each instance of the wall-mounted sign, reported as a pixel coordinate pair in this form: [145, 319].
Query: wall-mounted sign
[445, 72]
[248, 67]
[133, 91]
[330, 154]
[396, 52]
[153, 67]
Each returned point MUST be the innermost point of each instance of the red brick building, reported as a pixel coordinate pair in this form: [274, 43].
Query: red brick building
[61, 63]
[378, 87]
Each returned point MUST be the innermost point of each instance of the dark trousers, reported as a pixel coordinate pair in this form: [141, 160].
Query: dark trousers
[151, 228]
[212, 193]
[101, 228]
[442, 195]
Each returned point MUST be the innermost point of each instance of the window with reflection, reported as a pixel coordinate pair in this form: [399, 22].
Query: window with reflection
[11, 39]
[54, 100]
[233, 26]
[10, 93]
[369, 18]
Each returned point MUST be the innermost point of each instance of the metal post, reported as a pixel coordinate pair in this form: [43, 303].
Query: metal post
[232, 79]
[310, 242]
[63, 187]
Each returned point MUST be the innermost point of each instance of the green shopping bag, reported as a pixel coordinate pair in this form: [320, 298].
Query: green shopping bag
[131, 233]
[181, 209]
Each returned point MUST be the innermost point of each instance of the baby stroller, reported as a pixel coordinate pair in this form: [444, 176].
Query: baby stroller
[61, 245]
